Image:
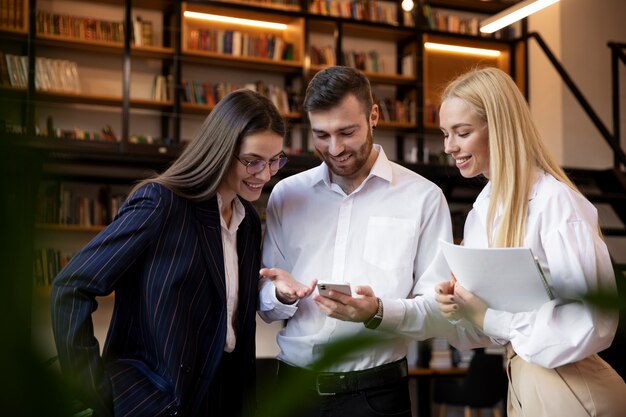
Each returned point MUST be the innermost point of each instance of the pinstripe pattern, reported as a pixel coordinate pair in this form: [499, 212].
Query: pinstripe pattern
[163, 257]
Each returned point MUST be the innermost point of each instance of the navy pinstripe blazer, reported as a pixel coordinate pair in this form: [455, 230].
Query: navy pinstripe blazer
[163, 257]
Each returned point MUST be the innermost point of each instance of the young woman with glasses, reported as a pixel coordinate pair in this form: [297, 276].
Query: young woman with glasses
[182, 257]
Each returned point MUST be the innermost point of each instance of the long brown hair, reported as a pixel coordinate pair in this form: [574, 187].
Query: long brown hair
[515, 149]
[202, 165]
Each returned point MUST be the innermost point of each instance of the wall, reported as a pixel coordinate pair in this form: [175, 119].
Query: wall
[577, 31]
[545, 90]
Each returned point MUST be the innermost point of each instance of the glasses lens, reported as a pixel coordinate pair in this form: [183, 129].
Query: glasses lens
[278, 163]
[256, 166]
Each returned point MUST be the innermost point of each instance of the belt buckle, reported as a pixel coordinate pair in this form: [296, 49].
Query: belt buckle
[317, 385]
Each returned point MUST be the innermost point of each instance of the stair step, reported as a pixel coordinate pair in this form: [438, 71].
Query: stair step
[611, 231]
[607, 198]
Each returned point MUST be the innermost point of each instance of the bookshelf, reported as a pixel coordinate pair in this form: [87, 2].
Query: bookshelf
[149, 72]
[140, 102]
[166, 77]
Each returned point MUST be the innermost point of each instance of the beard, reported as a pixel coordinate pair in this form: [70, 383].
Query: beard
[358, 158]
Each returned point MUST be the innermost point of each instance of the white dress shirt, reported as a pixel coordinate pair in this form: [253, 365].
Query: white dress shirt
[231, 267]
[384, 234]
[562, 232]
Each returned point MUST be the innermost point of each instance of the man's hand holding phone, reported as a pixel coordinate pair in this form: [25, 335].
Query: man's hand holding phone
[338, 302]
[324, 288]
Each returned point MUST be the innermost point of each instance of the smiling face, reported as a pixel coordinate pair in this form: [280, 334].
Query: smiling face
[342, 135]
[466, 137]
[266, 145]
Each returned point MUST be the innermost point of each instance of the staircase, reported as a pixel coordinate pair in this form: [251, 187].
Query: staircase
[606, 189]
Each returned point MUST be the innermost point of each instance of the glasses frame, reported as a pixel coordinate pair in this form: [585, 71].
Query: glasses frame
[269, 163]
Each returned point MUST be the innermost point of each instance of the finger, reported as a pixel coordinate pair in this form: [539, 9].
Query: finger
[309, 290]
[443, 288]
[443, 298]
[462, 293]
[365, 290]
[448, 308]
[328, 307]
[339, 297]
[267, 272]
[448, 316]
[324, 308]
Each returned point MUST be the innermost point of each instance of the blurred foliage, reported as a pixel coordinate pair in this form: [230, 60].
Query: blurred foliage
[281, 400]
[28, 386]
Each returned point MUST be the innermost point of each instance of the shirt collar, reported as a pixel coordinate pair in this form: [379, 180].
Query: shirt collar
[485, 194]
[237, 217]
[381, 168]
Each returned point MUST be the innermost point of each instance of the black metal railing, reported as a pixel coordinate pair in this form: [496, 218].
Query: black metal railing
[617, 54]
[612, 139]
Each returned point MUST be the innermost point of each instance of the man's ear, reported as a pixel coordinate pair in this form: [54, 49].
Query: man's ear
[374, 116]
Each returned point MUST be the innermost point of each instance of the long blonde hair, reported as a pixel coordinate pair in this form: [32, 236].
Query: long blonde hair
[515, 148]
[202, 165]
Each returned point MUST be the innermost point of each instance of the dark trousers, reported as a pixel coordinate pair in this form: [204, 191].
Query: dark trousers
[390, 399]
[226, 396]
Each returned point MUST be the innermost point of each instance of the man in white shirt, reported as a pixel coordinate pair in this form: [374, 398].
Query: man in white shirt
[356, 218]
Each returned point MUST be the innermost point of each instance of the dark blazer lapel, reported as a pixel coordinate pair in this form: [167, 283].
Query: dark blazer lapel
[246, 253]
[210, 234]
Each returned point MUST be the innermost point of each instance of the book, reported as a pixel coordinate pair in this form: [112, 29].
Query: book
[508, 279]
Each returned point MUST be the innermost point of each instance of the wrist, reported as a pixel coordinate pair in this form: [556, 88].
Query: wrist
[374, 321]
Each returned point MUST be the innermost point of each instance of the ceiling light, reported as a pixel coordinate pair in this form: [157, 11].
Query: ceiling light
[235, 20]
[513, 14]
[461, 49]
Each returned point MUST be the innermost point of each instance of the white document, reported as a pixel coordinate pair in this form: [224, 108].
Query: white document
[508, 279]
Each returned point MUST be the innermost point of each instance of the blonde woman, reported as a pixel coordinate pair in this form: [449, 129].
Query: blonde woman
[182, 256]
[553, 366]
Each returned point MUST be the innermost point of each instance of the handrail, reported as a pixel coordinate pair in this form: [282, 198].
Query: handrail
[617, 52]
[611, 140]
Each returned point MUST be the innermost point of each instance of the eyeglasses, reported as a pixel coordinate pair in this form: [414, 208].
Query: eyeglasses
[258, 165]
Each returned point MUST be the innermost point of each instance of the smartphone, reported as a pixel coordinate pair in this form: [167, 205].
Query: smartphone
[324, 287]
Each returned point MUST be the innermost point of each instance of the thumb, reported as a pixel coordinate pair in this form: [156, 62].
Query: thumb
[364, 290]
[268, 272]
[461, 292]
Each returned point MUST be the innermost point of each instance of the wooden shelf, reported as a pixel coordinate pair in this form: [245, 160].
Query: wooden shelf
[378, 31]
[68, 228]
[253, 63]
[477, 6]
[376, 77]
[13, 31]
[396, 125]
[259, 5]
[14, 92]
[114, 48]
[81, 98]
[195, 108]
[80, 44]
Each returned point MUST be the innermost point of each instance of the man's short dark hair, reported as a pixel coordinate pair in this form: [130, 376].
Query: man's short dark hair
[331, 85]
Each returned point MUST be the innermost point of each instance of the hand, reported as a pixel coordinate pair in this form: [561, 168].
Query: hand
[344, 307]
[288, 289]
[446, 287]
[445, 300]
[471, 307]
[460, 304]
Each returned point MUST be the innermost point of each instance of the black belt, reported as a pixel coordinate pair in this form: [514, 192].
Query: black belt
[331, 383]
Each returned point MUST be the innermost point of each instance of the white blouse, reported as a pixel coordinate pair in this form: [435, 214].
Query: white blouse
[562, 232]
